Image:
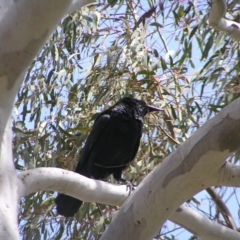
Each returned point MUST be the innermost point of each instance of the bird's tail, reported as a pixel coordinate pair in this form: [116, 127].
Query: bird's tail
[66, 205]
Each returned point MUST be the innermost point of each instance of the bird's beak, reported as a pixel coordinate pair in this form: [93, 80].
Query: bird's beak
[154, 109]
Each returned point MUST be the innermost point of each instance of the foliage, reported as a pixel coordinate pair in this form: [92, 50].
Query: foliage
[163, 52]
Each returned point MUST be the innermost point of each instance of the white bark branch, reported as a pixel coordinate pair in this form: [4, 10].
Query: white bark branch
[222, 208]
[218, 22]
[77, 4]
[24, 27]
[89, 190]
[201, 226]
[191, 168]
[229, 175]
[70, 183]
[8, 186]
[181, 174]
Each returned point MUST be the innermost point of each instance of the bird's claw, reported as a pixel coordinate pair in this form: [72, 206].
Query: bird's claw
[129, 187]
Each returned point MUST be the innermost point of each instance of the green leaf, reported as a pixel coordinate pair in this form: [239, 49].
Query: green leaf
[193, 32]
[163, 64]
[208, 46]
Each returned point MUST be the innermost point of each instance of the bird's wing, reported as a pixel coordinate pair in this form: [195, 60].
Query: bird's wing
[136, 147]
[118, 143]
[97, 130]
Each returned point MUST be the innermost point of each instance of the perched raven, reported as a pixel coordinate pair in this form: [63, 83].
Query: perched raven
[110, 146]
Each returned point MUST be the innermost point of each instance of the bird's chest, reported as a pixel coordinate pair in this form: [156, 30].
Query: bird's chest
[115, 147]
[125, 127]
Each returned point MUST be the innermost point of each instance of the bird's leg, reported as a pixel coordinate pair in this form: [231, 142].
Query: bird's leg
[118, 176]
[128, 184]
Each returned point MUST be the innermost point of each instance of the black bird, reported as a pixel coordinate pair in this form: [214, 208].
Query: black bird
[110, 146]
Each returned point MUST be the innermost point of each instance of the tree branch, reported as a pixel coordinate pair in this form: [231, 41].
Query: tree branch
[201, 225]
[71, 183]
[218, 22]
[76, 185]
[8, 180]
[228, 175]
[25, 26]
[191, 168]
[77, 4]
[222, 208]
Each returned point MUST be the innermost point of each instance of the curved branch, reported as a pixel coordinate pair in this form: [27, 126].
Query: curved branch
[217, 11]
[25, 26]
[188, 170]
[218, 22]
[77, 4]
[222, 208]
[76, 185]
[70, 183]
[201, 226]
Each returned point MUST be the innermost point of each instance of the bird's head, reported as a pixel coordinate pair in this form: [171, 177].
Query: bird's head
[139, 107]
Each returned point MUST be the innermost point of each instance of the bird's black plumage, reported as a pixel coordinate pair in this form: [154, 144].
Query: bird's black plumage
[110, 146]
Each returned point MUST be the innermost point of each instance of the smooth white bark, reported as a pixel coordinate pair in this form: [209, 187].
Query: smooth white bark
[194, 166]
[218, 22]
[201, 226]
[229, 175]
[76, 5]
[8, 186]
[70, 183]
[89, 190]
[25, 25]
